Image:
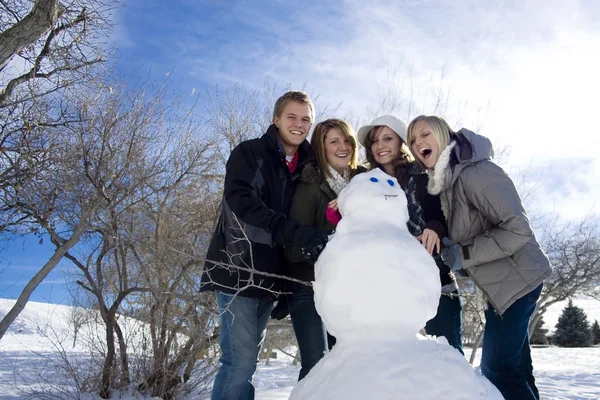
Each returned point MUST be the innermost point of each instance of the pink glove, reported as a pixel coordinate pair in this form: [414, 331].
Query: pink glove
[333, 216]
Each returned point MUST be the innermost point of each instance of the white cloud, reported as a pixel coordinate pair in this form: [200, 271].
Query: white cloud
[525, 72]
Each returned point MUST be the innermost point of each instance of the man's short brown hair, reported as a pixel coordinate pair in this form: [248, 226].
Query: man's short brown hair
[297, 96]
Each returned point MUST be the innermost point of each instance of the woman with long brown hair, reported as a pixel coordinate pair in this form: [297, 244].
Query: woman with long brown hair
[336, 154]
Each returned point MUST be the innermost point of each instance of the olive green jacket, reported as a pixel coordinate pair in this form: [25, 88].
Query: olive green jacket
[308, 208]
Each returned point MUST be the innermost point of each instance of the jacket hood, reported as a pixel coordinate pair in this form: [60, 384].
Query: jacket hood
[480, 147]
[470, 148]
[311, 174]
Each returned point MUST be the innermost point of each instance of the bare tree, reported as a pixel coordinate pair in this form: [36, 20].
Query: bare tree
[473, 315]
[403, 93]
[134, 152]
[46, 48]
[574, 252]
[54, 45]
[33, 196]
[237, 114]
[232, 116]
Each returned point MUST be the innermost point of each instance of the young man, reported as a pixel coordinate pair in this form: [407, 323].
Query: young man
[260, 180]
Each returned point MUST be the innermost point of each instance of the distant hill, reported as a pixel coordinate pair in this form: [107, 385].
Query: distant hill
[41, 326]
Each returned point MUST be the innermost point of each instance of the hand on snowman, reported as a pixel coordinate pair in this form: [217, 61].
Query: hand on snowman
[308, 238]
[315, 246]
[430, 239]
[451, 254]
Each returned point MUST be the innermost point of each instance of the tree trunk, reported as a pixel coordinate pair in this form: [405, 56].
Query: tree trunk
[107, 368]
[476, 345]
[38, 278]
[269, 351]
[41, 19]
[125, 377]
[534, 322]
[75, 331]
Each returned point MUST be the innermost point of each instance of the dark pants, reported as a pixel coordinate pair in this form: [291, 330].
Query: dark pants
[506, 356]
[448, 321]
[243, 328]
[308, 326]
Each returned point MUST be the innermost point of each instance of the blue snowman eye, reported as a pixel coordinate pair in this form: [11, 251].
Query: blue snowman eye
[373, 179]
[391, 182]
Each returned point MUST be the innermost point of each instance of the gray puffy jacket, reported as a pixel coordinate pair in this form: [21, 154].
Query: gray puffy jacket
[486, 216]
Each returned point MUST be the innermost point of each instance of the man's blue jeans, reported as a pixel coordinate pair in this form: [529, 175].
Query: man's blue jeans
[308, 326]
[243, 328]
[506, 356]
[448, 321]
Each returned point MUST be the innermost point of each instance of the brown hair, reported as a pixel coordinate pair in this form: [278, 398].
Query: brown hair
[297, 96]
[400, 164]
[317, 141]
[441, 130]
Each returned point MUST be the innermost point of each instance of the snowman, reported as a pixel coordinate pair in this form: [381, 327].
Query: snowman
[375, 288]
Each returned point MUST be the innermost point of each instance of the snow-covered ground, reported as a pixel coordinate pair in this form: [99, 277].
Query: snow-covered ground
[561, 373]
[28, 358]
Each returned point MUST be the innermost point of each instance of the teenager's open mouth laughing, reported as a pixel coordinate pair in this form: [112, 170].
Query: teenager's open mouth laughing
[425, 152]
[297, 133]
[342, 155]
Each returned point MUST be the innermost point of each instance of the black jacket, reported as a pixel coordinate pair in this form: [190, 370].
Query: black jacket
[425, 210]
[256, 200]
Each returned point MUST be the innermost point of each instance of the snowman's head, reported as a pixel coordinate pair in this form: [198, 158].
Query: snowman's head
[374, 194]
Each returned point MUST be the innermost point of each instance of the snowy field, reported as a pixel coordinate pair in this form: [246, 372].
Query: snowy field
[28, 358]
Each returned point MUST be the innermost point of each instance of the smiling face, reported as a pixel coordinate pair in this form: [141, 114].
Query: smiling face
[385, 147]
[293, 124]
[338, 150]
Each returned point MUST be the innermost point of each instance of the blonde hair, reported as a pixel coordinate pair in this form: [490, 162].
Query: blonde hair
[403, 161]
[441, 130]
[297, 96]
[317, 141]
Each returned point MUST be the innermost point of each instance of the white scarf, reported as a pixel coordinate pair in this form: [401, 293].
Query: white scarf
[439, 178]
[336, 181]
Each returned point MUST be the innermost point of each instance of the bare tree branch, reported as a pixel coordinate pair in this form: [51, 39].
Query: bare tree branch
[41, 19]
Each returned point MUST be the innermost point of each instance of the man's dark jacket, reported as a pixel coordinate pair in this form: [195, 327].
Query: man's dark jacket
[256, 201]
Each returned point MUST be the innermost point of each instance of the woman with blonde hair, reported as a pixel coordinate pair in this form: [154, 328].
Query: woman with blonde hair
[384, 140]
[494, 244]
[336, 155]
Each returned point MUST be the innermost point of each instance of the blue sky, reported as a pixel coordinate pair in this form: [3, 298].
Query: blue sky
[523, 73]
[21, 259]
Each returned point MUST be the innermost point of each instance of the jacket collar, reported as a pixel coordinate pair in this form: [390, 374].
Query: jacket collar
[311, 174]
[305, 152]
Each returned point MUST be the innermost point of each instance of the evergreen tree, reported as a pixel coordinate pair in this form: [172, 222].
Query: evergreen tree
[572, 329]
[539, 334]
[596, 333]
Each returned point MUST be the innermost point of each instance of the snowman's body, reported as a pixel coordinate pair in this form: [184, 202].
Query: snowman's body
[375, 287]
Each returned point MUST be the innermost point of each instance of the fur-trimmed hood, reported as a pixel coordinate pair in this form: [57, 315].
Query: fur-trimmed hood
[311, 174]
